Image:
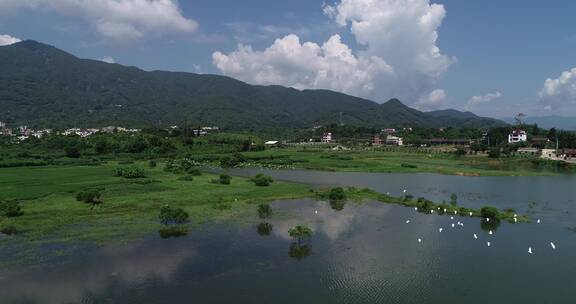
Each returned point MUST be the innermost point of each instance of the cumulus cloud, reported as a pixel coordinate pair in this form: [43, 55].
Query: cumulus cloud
[399, 56]
[482, 99]
[116, 19]
[433, 101]
[108, 59]
[560, 91]
[8, 40]
[304, 65]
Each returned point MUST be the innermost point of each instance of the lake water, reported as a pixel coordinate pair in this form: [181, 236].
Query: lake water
[365, 253]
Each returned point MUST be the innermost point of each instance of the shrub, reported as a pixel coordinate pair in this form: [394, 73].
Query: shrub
[152, 164]
[494, 153]
[173, 216]
[262, 180]
[72, 152]
[489, 212]
[225, 179]
[409, 166]
[337, 194]
[9, 230]
[130, 173]
[460, 152]
[194, 172]
[10, 209]
[186, 178]
[92, 197]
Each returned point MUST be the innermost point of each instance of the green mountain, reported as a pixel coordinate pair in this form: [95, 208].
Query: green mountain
[41, 85]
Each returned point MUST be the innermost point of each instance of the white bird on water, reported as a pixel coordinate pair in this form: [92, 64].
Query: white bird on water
[487, 219]
[538, 221]
[445, 210]
[530, 250]
[407, 221]
[432, 211]
[455, 212]
[419, 240]
[553, 245]
[470, 213]
[315, 211]
[452, 225]
[451, 218]
[440, 230]
[490, 232]
[475, 236]
[415, 208]
[488, 244]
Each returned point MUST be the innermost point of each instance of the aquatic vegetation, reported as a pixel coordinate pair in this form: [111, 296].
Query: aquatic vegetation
[264, 229]
[300, 233]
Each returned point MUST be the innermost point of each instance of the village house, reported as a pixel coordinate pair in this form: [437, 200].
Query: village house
[517, 136]
[394, 140]
[327, 138]
[377, 140]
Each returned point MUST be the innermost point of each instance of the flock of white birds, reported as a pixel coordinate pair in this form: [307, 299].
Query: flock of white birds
[490, 232]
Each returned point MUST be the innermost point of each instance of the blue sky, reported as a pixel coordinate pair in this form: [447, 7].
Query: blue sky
[494, 56]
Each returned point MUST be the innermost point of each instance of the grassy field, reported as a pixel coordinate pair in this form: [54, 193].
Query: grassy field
[401, 162]
[130, 208]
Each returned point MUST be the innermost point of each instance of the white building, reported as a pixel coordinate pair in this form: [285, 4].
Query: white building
[394, 140]
[517, 136]
[327, 138]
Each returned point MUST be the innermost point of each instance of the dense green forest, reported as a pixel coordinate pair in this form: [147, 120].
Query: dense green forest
[42, 86]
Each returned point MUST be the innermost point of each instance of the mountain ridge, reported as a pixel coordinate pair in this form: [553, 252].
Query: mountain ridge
[41, 85]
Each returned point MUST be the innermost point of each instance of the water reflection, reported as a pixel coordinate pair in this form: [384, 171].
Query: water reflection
[337, 205]
[264, 229]
[126, 265]
[299, 251]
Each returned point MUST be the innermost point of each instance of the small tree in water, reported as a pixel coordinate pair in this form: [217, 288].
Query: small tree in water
[489, 212]
[174, 220]
[454, 199]
[299, 233]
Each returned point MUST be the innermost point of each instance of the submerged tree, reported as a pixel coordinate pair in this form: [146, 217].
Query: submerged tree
[454, 199]
[300, 233]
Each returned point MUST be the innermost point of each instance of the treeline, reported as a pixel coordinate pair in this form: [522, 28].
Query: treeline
[149, 143]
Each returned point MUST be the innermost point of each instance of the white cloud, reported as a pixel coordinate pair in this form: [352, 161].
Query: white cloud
[482, 99]
[559, 92]
[117, 19]
[108, 59]
[433, 101]
[304, 65]
[399, 56]
[8, 40]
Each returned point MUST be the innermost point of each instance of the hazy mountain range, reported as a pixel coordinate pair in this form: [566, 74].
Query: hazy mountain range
[548, 122]
[41, 85]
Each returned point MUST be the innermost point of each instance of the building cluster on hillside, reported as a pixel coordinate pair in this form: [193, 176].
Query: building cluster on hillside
[22, 133]
[199, 131]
